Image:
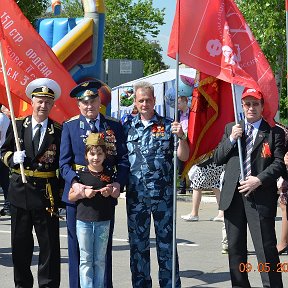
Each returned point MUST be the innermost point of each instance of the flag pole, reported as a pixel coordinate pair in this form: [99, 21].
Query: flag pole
[174, 243]
[239, 139]
[11, 110]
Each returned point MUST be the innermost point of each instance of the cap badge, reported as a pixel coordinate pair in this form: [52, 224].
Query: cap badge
[250, 90]
[85, 84]
[88, 93]
[45, 89]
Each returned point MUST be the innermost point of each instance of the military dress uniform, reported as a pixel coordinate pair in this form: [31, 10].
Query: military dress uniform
[150, 191]
[72, 157]
[30, 202]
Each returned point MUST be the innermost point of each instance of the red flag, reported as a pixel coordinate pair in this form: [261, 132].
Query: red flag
[27, 57]
[213, 37]
[20, 106]
[210, 111]
[1, 31]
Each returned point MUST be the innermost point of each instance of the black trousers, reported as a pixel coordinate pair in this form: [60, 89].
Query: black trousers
[182, 183]
[47, 232]
[262, 229]
[4, 179]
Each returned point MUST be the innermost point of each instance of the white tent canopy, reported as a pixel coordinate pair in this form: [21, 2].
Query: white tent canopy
[162, 81]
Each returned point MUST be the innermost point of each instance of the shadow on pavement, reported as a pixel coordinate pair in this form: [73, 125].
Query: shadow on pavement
[207, 278]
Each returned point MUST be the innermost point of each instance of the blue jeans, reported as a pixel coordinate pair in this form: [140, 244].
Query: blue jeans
[92, 239]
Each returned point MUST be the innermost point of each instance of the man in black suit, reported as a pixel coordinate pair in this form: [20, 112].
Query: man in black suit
[254, 199]
[34, 204]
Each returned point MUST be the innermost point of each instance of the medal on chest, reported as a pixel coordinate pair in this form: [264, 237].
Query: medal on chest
[158, 130]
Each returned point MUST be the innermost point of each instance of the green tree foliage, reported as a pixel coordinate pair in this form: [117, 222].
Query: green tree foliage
[128, 24]
[127, 27]
[71, 8]
[33, 9]
[266, 19]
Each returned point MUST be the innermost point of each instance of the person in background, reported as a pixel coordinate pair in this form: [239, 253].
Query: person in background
[184, 91]
[130, 116]
[6, 111]
[72, 158]
[150, 144]
[130, 92]
[34, 205]
[286, 163]
[4, 170]
[252, 200]
[204, 177]
[282, 184]
[94, 212]
[224, 241]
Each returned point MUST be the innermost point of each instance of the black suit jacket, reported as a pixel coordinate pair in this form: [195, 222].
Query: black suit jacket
[264, 166]
[33, 195]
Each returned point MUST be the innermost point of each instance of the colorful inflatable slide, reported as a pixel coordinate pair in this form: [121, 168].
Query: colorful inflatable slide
[78, 42]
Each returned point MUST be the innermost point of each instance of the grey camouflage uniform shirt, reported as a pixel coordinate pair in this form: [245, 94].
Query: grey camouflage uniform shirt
[150, 153]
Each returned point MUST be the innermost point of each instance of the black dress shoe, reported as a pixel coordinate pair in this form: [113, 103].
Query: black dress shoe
[182, 192]
[5, 212]
[283, 250]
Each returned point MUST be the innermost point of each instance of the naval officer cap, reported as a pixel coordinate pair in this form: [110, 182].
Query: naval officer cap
[86, 90]
[43, 87]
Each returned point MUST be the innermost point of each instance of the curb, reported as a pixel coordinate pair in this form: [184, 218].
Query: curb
[207, 197]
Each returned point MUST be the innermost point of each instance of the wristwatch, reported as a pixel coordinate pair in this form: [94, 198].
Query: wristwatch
[183, 137]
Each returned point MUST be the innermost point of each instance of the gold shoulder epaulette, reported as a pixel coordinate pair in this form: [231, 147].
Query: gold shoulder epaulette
[112, 118]
[57, 125]
[20, 118]
[73, 118]
[6, 156]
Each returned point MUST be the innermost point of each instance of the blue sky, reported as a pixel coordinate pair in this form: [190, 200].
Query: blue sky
[170, 6]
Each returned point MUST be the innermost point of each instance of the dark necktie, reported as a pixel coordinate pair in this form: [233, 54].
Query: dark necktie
[93, 127]
[249, 146]
[36, 139]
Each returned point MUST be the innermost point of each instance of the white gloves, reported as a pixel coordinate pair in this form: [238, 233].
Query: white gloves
[18, 157]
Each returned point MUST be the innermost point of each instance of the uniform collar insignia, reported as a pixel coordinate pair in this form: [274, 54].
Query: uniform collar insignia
[51, 129]
[81, 125]
[26, 123]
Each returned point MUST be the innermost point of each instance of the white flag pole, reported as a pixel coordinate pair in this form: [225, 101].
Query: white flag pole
[239, 139]
[174, 242]
[11, 110]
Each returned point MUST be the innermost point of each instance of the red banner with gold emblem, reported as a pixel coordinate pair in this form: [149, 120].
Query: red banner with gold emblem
[213, 37]
[27, 57]
[209, 113]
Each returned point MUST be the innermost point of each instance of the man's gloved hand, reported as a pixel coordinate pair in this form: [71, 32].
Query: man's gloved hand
[18, 157]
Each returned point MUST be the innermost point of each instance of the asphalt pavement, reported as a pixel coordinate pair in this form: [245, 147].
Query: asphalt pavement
[199, 249]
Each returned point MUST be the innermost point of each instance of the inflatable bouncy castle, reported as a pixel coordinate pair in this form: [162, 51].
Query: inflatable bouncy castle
[78, 43]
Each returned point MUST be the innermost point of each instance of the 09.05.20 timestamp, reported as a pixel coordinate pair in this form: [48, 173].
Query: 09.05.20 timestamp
[263, 267]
